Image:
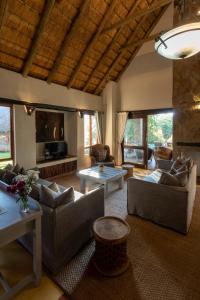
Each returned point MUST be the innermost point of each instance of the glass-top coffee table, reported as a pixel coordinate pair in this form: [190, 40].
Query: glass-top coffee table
[108, 175]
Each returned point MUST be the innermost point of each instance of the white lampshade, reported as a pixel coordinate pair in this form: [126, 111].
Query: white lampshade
[180, 42]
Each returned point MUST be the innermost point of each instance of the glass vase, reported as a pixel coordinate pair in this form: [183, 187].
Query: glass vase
[24, 205]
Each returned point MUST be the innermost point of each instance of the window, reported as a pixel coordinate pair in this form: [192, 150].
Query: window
[6, 143]
[90, 132]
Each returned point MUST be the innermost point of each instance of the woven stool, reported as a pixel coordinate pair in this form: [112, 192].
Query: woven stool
[110, 257]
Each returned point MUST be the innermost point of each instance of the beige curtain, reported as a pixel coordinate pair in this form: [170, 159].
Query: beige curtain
[121, 126]
[99, 122]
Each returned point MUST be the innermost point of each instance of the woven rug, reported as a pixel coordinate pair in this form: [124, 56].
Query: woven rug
[165, 265]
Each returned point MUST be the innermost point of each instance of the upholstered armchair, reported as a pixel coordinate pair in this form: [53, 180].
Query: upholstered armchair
[100, 153]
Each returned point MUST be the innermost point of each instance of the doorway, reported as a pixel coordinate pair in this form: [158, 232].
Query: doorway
[145, 134]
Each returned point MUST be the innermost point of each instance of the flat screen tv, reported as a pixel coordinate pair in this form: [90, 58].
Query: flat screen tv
[49, 126]
[55, 150]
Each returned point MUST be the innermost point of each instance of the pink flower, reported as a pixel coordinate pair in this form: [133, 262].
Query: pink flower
[20, 185]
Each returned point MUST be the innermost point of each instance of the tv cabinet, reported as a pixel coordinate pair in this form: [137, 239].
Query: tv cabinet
[55, 168]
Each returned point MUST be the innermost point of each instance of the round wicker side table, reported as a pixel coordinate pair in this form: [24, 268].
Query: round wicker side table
[110, 257]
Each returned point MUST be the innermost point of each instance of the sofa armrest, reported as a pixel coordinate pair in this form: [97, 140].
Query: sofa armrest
[164, 164]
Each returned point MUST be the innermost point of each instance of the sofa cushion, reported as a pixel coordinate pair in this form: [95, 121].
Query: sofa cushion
[8, 176]
[180, 164]
[178, 179]
[174, 171]
[16, 169]
[54, 199]
[54, 187]
[168, 179]
[182, 177]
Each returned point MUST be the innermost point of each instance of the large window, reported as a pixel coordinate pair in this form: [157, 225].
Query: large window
[90, 132]
[6, 143]
[145, 134]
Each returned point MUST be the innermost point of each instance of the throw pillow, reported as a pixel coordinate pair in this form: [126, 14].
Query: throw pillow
[8, 167]
[8, 176]
[168, 179]
[53, 199]
[33, 173]
[54, 187]
[2, 171]
[23, 171]
[102, 155]
[182, 177]
[183, 168]
[16, 169]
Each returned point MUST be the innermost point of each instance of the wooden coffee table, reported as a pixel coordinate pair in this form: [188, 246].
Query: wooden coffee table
[108, 175]
[110, 234]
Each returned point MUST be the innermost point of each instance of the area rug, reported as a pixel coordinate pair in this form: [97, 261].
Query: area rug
[165, 265]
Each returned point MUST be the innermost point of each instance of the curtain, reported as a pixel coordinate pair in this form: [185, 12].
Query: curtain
[121, 126]
[99, 122]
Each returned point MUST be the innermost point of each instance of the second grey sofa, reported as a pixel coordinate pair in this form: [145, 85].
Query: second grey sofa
[67, 228]
[169, 206]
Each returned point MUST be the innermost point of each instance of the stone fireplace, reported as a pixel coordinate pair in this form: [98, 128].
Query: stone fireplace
[186, 85]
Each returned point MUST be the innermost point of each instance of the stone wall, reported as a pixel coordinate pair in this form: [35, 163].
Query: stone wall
[186, 84]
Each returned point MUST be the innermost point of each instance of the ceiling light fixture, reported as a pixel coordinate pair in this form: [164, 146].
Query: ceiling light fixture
[180, 42]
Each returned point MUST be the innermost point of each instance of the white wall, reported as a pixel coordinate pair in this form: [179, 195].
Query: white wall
[111, 105]
[25, 144]
[147, 83]
[15, 86]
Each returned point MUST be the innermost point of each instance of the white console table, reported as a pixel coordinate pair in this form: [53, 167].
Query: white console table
[13, 225]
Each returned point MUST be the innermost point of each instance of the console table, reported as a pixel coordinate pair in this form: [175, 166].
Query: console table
[13, 225]
[54, 168]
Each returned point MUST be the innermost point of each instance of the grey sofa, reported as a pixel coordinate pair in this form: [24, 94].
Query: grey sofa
[169, 206]
[66, 228]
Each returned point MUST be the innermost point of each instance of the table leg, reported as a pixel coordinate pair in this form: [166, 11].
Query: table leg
[37, 252]
[82, 185]
[105, 190]
[121, 182]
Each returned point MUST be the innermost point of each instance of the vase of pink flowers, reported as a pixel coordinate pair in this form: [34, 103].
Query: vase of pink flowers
[22, 187]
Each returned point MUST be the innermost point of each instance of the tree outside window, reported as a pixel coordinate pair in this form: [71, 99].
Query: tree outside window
[5, 135]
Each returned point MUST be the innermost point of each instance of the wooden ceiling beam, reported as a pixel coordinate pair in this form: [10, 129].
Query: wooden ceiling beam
[123, 52]
[92, 42]
[138, 14]
[67, 39]
[140, 42]
[38, 35]
[3, 12]
[109, 47]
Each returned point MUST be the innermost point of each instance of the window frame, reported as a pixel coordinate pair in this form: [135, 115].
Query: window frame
[90, 133]
[11, 133]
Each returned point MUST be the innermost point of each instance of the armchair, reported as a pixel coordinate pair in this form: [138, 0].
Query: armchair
[94, 155]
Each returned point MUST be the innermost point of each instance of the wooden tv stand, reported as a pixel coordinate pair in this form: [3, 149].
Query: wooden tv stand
[59, 167]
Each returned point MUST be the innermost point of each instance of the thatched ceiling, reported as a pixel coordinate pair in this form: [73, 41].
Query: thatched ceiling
[76, 43]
